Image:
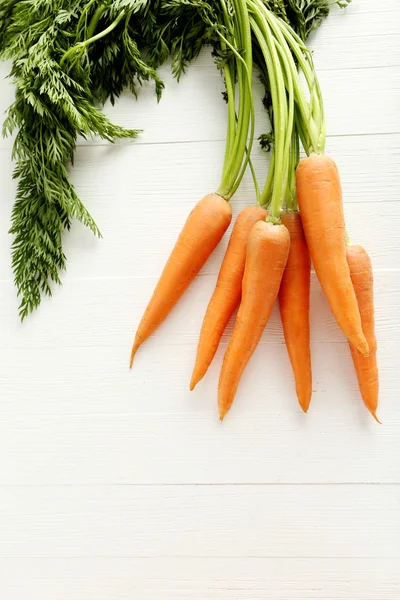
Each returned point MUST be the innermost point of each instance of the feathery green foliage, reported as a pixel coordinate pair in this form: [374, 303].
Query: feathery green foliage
[182, 28]
[117, 62]
[54, 105]
[305, 16]
[69, 55]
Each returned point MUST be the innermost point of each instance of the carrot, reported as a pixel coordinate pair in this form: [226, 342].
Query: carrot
[267, 254]
[227, 292]
[366, 367]
[210, 218]
[201, 233]
[320, 200]
[294, 305]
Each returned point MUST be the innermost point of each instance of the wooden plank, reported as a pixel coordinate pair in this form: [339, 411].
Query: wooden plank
[200, 578]
[336, 50]
[365, 17]
[265, 439]
[140, 215]
[118, 484]
[103, 313]
[201, 521]
[202, 86]
[75, 415]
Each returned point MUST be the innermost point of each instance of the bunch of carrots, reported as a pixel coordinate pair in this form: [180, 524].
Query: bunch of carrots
[297, 220]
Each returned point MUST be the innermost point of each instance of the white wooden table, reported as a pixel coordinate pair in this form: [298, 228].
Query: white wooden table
[119, 485]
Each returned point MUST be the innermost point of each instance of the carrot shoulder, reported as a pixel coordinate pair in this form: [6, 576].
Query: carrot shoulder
[227, 292]
[266, 258]
[294, 305]
[320, 200]
[366, 366]
[201, 233]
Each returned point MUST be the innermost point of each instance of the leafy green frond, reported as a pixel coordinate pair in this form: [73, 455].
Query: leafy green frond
[183, 28]
[52, 107]
[266, 141]
[117, 63]
[307, 15]
[68, 54]
[130, 6]
[37, 247]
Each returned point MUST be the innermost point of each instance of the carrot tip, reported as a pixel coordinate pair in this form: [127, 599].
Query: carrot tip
[193, 382]
[133, 352]
[376, 418]
[222, 414]
[304, 399]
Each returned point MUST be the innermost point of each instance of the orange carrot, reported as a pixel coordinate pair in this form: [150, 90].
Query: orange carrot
[320, 200]
[201, 233]
[267, 254]
[294, 305]
[227, 292]
[366, 367]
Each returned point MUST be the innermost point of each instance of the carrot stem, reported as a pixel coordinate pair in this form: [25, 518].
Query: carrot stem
[231, 129]
[316, 115]
[83, 17]
[81, 46]
[99, 12]
[291, 198]
[282, 114]
[265, 196]
[239, 152]
[229, 77]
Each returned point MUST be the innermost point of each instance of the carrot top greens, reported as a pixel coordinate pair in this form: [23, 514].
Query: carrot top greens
[54, 105]
[69, 57]
[281, 54]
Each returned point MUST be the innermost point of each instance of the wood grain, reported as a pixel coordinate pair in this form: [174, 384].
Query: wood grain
[203, 521]
[120, 485]
[136, 211]
[201, 578]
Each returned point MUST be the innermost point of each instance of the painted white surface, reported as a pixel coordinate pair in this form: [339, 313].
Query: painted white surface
[119, 485]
